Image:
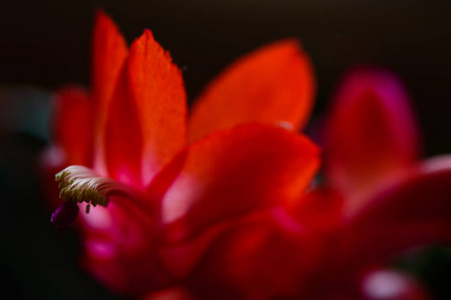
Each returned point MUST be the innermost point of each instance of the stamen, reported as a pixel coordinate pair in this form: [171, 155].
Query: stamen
[80, 184]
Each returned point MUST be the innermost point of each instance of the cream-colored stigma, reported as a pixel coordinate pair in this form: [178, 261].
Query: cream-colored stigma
[81, 184]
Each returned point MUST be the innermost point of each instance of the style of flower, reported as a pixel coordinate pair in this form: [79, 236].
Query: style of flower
[149, 180]
[226, 215]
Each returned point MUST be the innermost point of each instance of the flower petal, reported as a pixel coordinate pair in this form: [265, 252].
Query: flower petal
[146, 123]
[320, 209]
[234, 171]
[414, 211]
[265, 255]
[73, 124]
[108, 55]
[273, 84]
[371, 132]
[120, 244]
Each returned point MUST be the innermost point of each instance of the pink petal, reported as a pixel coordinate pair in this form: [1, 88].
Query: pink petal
[371, 133]
[415, 210]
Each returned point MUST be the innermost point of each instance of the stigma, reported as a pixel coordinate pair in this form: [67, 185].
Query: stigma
[65, 214]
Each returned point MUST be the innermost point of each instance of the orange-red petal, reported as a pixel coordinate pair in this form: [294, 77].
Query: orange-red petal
[371, 133]
[73, 124]
[109, 51]
[146, 121]
[273, 84]
[237, 170]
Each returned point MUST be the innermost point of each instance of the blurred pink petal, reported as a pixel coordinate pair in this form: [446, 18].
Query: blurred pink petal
[371, 133]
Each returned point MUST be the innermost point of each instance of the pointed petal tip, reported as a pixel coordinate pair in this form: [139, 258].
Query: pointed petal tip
[290, 44]
[101, 18]
[148, 34]
[148, 109]
[100, 14]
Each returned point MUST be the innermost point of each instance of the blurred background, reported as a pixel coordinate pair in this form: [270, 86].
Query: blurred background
[46, 44]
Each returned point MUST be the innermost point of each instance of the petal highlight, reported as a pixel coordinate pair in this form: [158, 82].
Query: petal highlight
[271, 85]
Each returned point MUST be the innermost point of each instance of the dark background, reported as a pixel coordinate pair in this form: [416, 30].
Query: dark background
[45, 44]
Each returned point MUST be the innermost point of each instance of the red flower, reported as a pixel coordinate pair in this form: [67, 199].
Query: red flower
[226, 215]
[128, 138]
